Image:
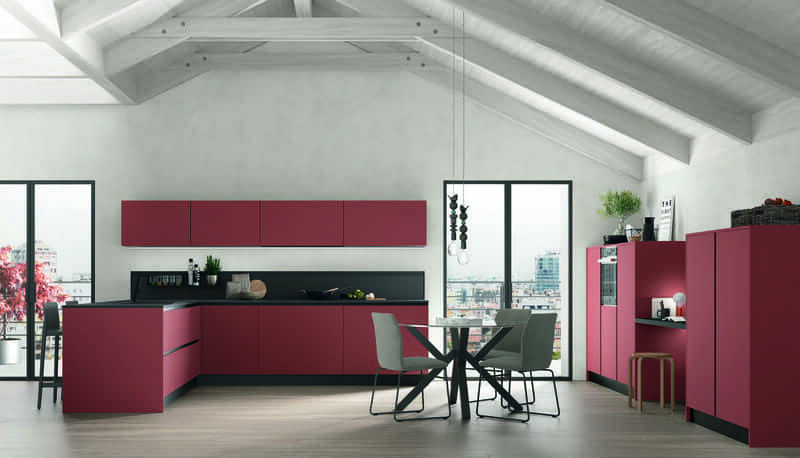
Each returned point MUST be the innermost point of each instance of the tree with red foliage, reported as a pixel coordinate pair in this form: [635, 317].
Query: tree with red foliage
[12, 289]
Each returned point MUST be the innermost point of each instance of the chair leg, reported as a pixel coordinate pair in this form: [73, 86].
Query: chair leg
[661, 383]
[557, 413]
[639, 383]
[630, 381]
[494, 396]
[55, 370]
[41, 369]
[397, 400]
[671, 385]
[389, 412]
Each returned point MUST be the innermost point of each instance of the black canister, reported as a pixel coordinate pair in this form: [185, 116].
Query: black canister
[649, 230]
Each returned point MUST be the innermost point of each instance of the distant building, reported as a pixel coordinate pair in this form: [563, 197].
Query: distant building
[45, 255]
[548, 274]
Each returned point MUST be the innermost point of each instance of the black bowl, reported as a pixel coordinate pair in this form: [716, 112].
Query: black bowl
[614, 239]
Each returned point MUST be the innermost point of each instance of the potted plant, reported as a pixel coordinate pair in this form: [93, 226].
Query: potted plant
[12, 300]
[212, 270]
[620, 205]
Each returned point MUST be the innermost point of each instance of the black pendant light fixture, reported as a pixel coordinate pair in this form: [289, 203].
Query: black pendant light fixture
[452, 248]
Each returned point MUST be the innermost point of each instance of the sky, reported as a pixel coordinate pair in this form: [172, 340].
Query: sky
[539, 223]
[63, 221]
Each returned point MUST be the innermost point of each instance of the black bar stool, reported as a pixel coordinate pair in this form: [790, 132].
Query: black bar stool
[51, 327]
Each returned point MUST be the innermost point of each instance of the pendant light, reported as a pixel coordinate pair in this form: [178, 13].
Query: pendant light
[453, 248]
[464, 257]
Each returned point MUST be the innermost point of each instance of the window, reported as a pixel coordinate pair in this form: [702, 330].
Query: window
[57, 220]
[520, 241]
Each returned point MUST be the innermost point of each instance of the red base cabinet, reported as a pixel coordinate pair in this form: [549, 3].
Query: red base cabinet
[360, 356]
[592, 311]
[230, 340]
[300, 340]
[742, 341]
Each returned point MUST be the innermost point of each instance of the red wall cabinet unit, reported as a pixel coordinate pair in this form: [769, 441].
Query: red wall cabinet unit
[155, 223]
[225, 223]
[592, 310]
[301, 223]
[300, 340]
[360, 356]
[385, 223]
[230, 340]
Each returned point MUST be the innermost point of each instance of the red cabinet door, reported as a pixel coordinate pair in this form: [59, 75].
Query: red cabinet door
[360, 356]
[700, 321]
[225, 223]
[732, 327]
[300, 340]
[608, 342]
[155, 223]
[301, 223]
[593, 310]
[629, 271]
[230, 340]
[385, 223]
[181, 327]
[180, 367]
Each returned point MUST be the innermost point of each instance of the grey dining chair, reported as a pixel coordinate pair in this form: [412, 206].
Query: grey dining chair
[389, 345]
[510, 344]
[536, 355]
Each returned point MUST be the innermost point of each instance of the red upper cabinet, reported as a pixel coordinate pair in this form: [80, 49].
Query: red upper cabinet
[225, 223]
[385, 223]
[301, 223]
[155, 223]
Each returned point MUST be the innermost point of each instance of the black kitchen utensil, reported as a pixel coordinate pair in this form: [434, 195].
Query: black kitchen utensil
[320, 295]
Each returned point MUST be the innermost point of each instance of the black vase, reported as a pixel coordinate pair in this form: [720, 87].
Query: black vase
[649, 230]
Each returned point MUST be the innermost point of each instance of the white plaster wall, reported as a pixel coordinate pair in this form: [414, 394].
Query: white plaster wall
[293, 135]
[707, 191]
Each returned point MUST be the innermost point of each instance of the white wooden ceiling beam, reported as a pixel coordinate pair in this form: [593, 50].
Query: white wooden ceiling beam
[83, 54]
[82, 16]
[545, 125]
[223, 8]
[358, 61]
[560, 98]
[517, 30]
[295, 29]
[705, 32]
[303, 8]
[392, 8]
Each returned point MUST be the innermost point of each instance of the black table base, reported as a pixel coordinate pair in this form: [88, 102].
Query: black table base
[460, 357]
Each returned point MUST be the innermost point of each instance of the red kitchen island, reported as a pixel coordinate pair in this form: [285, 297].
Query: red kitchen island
[130, 357]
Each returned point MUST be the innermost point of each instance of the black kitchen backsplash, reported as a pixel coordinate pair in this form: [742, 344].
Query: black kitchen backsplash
[284, 285]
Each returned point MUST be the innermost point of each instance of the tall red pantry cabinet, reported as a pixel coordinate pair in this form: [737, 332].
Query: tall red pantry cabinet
[644, 270]
[743, 341]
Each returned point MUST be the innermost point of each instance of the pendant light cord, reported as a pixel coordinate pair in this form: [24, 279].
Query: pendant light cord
[463, 106]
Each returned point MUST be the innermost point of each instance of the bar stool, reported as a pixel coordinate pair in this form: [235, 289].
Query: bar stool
[51, 327]
[661, 357]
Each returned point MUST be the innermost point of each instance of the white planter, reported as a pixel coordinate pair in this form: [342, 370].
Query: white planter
[211, 279]
[9, 351]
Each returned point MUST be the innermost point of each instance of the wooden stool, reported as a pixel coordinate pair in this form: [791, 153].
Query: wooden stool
[649, 355]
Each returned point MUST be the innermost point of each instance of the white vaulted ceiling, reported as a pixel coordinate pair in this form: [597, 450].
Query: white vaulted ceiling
[615, 80]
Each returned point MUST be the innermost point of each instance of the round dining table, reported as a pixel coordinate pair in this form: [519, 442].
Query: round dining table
[460, 356]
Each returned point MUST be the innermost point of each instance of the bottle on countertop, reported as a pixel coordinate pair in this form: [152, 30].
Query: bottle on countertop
[190, 272]
[196, 275]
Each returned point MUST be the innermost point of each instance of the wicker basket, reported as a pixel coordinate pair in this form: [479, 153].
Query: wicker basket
[766, 215]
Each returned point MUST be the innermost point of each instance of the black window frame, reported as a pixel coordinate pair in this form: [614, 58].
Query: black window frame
[30, 241]
[507, 289]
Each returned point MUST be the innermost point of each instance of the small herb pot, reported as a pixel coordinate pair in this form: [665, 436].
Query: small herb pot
[211, 279]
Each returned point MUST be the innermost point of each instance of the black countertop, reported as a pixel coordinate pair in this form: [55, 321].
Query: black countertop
[174, 305]
[663, 323]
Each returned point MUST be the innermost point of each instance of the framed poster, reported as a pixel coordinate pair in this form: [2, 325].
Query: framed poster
[666, 219]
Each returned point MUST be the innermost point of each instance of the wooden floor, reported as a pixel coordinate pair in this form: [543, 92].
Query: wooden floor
[333, 421]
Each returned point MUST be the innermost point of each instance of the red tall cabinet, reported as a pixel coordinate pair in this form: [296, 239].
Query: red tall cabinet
[644, 270]
[742, 343]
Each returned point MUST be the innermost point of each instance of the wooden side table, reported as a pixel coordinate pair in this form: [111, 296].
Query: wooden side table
[661, 357]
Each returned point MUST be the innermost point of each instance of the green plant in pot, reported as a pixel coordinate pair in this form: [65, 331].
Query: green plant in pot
[620, 205]
[212, 269]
